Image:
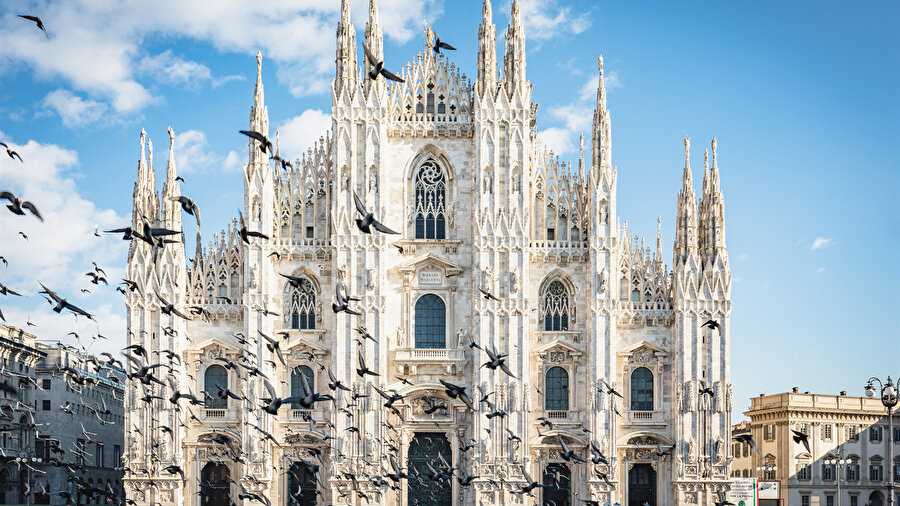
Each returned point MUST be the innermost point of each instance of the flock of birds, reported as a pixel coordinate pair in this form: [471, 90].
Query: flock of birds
[147, 369]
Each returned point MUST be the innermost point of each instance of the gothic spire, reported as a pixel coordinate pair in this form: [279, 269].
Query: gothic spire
[686, 214]
[712, 214]
[345, 57]
[259, 114]
[374, 35]
[487, 51]
[581, 159]
[514, 58]
[171, 209]
[658, 239]
[602, 141]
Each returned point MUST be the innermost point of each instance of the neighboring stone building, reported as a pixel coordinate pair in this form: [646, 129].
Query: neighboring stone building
[18, 358]
[100, 398]
[855, 428]
[43, 389]
[458, 169]
[743, 461]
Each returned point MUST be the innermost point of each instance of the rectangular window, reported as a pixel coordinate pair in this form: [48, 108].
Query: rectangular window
[98, 457]
[45, 404]
[828, 472]
[117, 456]
[310, 232]
[829, 500]
[853, 472]
[804, 500]
[896, 472]
[876, 473]
[854, 500]
[769, 432]
[79, 452]
[875, 433]
[852, 432]
[803, 427]
[45, 384]
[803, 472]
[826, 432]
[551, 234]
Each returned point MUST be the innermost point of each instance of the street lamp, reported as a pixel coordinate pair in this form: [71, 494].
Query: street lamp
[836, 458]
[889, 400]
[28, 460]
[765, 469]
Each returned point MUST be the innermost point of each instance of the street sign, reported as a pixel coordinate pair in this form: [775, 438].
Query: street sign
[769, 490]
[744, 492]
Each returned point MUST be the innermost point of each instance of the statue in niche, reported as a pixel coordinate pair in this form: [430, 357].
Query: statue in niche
[255, 210]
[400, 337]
[513, 282]
[604, 279]
[373, 184]
[370, 278]
[487, 278]
[253, 281]
[728, 399]
[604, 212]
[517, 183]
[462, 337]
[689, 456]
[679, 398]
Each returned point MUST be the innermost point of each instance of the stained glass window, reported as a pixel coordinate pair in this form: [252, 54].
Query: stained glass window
[642, 390]
[431, 322]
[431, 189]
[302, 306]
[555, 307]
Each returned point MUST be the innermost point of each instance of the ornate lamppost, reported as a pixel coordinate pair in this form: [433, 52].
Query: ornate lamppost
[889, 400]
[836, 459]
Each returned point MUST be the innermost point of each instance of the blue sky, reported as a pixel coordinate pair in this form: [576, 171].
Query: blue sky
[802, 96]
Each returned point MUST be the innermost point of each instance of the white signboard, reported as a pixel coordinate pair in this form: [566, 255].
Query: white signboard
[744, 492]
[430, 277]
[769, 490]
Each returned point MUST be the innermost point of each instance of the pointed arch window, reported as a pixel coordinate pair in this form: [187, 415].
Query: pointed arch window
[556, 388]
[431, 322]
[216, 377]
[555, 307]
[302, 306]
[642, 389]
[297, 383]
[430, 201]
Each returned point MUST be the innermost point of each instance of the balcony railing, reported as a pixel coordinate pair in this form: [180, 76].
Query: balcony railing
[299, 414]
[214, 413]
[653, 417]
[410, 359]
[557, 415]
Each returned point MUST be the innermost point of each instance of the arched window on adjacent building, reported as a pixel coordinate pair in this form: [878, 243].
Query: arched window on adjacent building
[555, 307]
[556, 389]
[302, 306]
[642, 389]
[430, 322]
[215, 377]
[430, 201]
[297, 383]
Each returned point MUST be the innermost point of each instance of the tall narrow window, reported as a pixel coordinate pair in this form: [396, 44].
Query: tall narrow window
[555, 307]
[431, 322]
[556, 388]
[216, 377]
[642, 390]
[302, 308]
[431, 190]
[297, 383]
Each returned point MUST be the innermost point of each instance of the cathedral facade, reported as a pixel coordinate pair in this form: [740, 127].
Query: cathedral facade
[605, 344]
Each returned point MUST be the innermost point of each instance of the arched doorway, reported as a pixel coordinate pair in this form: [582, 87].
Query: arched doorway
[4, 485]
[301, 485]
[425, 453]
[641, 485]
[558, 479]
[876, 498]
[214, 485]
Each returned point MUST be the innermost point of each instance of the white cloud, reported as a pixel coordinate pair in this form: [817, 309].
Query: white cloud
[821, 242]
[98, 48]
[544, 19]
[73, 110]
[192, 155]
[820, 270]
[559, 140]
[743, 256]
[60, 250]
[299, 133]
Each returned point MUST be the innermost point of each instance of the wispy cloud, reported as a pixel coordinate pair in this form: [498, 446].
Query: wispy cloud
[820, 270]
[100, 50]
[192, 155]
[821, 242]
[60, 250]
[743, 256]
[546, 19]
[299, 133]
[72, 109]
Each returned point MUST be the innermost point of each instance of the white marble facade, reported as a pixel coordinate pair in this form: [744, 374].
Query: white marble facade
[497, 210]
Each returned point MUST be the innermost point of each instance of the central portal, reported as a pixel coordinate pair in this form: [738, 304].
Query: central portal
[642, 485]
[426, 452]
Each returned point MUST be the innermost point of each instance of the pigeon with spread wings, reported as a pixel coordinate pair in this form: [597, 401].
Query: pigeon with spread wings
[368, 219]
[16, 205]
[378, 67]
[62, 303]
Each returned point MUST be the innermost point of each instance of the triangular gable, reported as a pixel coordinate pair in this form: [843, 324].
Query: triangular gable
[559, 343]
[212, 343]
[317, 349]
[433, 258]
[630, 349]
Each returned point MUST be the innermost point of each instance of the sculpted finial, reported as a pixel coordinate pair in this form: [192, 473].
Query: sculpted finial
[429, 35]
[687, 151]
[171, 136]
[258, 61]
[600, 64]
